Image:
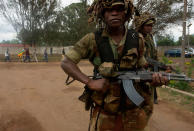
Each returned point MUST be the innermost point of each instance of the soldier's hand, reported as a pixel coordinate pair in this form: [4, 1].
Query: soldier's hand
[158, 80]
[98, 85]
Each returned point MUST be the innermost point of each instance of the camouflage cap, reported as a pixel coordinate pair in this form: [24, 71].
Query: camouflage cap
[145, 18]
[95, 11]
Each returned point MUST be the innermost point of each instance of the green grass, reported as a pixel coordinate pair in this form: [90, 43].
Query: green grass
[177, 98]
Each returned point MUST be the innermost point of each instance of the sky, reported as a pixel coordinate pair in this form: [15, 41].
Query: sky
[7, 32]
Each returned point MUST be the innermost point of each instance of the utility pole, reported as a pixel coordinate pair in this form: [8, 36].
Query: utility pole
[184, 36]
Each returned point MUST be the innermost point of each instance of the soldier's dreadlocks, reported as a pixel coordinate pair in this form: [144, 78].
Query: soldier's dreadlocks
[96, 10]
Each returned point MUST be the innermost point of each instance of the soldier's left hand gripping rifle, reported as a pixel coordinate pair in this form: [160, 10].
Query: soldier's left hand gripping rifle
[128, 77]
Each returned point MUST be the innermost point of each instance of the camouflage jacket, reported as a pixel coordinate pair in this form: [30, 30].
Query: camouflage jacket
[86, 47]
[151, 51]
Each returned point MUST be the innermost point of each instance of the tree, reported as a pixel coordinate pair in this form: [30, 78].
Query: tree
[29, 17]
[191, 40]
[13, 41]
[73, 23]
[166, 41]
[166, 11]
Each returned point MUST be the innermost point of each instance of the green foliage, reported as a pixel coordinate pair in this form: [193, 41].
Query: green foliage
[181, 85]
[177, 98]
[166, 11]
[191, 40]
[29, 17]
[13, 41]
[192, 61]
[69, 25]
[164, 59]
[73, 21]
[166, 41]
[178, 69]
[190, 68]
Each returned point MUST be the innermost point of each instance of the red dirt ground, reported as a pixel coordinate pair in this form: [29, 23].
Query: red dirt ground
[33, 97]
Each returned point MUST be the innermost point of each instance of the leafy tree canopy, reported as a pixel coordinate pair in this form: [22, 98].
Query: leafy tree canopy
[13, 41]
[165, 11]
[191, 40]
[166, 41]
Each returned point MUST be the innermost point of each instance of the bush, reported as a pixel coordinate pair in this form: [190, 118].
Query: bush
[190, 68]
[181, 85]
[164, 60]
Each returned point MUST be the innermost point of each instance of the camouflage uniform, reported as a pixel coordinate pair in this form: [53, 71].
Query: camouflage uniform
[132, 118]
[146, 18]
[113, 111]
[151, 52]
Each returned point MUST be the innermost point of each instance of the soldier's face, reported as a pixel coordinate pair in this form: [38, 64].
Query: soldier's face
[147, 29]
[115, 16]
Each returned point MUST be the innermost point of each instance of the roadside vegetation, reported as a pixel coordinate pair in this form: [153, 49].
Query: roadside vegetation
[189, 71]
[179, 99]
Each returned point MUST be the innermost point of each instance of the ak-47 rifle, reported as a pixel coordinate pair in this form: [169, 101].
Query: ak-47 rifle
[128, 77]
[154, 63]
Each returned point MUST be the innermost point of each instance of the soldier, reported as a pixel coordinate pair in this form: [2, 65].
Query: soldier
[144, 24]
[112, 48]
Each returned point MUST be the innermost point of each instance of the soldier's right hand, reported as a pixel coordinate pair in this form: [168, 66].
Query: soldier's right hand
[97, 85]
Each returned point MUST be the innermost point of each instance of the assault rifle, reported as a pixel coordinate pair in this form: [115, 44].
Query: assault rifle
[159, 65]
[128, 77]
[154, 63]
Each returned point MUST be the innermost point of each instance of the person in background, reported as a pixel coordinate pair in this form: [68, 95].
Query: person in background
[7, 56]
[63, 51]
[144, 24]
[35, 55]
[45, 55]
[27, 55]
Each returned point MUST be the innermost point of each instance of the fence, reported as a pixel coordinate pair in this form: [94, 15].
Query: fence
[54, 55]
[39, 50]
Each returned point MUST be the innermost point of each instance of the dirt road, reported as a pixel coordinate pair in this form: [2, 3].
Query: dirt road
[33, 97]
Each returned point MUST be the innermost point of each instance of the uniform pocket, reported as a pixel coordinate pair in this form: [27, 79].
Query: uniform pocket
[129, 60]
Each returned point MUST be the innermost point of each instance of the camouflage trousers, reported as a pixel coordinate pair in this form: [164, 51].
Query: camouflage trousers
[129, 120]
